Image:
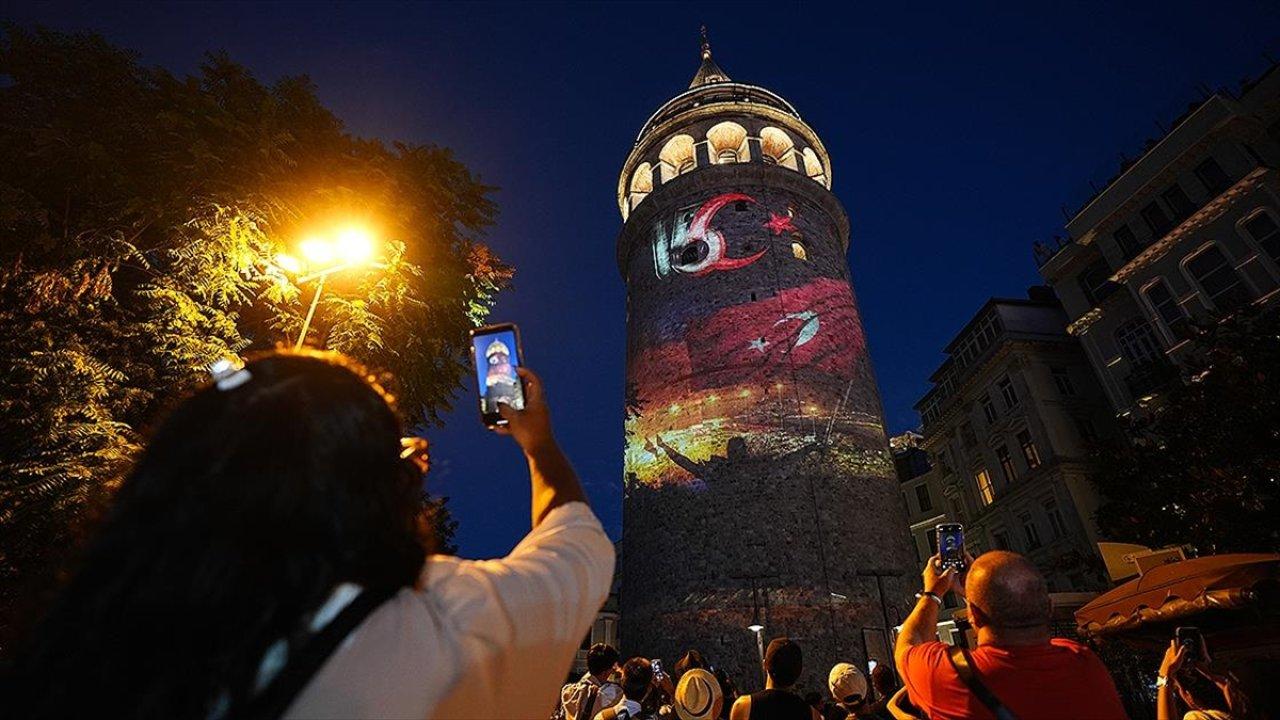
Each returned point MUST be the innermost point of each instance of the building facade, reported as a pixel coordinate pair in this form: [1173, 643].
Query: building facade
[759, 489]
[1189, 230]
[1008, 425]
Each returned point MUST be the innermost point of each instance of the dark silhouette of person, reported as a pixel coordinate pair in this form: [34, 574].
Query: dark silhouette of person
[737, 462]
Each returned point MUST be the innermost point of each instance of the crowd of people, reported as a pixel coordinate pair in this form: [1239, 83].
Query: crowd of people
[268, 557]
[697, 690]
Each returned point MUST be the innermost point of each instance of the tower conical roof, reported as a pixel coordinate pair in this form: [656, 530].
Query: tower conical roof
[708, 72]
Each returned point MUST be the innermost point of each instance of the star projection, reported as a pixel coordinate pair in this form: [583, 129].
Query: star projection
[759, 353]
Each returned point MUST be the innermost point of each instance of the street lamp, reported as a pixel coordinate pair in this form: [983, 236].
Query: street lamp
[348, 247]
[757, 627]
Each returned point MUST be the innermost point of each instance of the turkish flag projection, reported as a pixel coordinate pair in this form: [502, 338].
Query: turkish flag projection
[813, 326]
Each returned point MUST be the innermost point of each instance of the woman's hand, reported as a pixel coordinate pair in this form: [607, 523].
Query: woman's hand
[1173, 659]
[530, 427]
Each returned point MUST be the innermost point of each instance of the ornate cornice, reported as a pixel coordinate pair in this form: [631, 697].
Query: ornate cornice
[1205, 215]
[1082, 323]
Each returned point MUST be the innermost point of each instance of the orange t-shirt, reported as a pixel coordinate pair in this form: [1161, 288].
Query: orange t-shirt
[1062, 679]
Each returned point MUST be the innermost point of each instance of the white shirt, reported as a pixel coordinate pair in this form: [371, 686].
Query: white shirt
[574, 693]
[487, 639]
[625, 709]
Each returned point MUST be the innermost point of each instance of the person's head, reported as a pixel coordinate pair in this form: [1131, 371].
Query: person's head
[602, 658]
[254, 498]
[737, 448]
[783, 662]
[847, 684]
[698, 696]
[1007, 595]
[882, 680]
[637, 678]
[689, 661]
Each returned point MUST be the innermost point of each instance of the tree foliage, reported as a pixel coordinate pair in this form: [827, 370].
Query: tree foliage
[140, 215]
[1202, 465]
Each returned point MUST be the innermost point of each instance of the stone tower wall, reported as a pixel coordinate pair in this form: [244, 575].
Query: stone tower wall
[758, 477]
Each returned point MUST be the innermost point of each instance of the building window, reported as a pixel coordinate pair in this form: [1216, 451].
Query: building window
[1166, 307]
[1212, 176]
[988, 408]
[1128, 242]
[1007, 393]
[1218, 279]
[1095, 281]
[1137, 343]
[1029, 449]
[1155, 218]
[1263, 230]
[1006, 464]
[1000, 539]
[1062, 381]
[1030, 532]
[985, 492]
[1179, 204]
[922, 497]
[967, 436]
[1056, 524]
[1084, 426]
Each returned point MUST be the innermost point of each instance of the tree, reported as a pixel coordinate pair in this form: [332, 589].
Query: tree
[1202, 465]
[140, 216]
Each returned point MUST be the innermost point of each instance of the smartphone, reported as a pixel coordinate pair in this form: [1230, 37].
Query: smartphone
[951, 545]
[495, 350]
[1191, 639]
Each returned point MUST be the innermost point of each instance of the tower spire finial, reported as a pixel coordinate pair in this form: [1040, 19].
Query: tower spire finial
[706, 44]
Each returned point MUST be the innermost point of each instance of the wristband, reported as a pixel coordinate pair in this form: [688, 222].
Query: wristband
[932, 596]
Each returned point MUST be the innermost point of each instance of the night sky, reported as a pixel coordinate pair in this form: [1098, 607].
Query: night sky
[957, 135]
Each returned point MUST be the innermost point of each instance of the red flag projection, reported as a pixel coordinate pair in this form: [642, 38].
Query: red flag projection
[779, 368]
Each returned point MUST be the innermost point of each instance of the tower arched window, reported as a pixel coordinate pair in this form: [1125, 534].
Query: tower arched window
[641, 183]
[676, 157]
[728, 142]
[813, 166]
[776, 147]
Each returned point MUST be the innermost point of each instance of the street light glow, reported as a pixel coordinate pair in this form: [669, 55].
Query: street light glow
[288, 263]
[755, 627]
[354, 244]
[317, 251]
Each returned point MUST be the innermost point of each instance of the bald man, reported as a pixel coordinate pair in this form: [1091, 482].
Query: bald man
[1030, 672]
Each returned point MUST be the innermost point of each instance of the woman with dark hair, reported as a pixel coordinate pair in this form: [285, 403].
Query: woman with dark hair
[266, 558]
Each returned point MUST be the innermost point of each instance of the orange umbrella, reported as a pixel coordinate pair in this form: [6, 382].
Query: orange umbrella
[1170, 592]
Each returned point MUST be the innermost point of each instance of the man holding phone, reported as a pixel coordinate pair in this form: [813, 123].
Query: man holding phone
[1018, 669]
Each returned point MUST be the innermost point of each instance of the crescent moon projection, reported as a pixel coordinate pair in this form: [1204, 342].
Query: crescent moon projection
[716, 250]
[807, 331]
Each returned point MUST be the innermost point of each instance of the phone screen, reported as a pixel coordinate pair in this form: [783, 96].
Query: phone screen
[1189, 637]
[951, 545]
[496, 353]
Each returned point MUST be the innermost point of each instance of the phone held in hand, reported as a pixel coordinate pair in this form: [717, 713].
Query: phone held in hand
[1191, 639]
[951, 546]
[496, 353]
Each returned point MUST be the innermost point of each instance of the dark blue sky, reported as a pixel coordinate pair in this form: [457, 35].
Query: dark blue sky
[956, 134]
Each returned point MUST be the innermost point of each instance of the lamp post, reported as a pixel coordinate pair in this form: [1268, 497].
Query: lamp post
[758, 628]
[348, 248]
